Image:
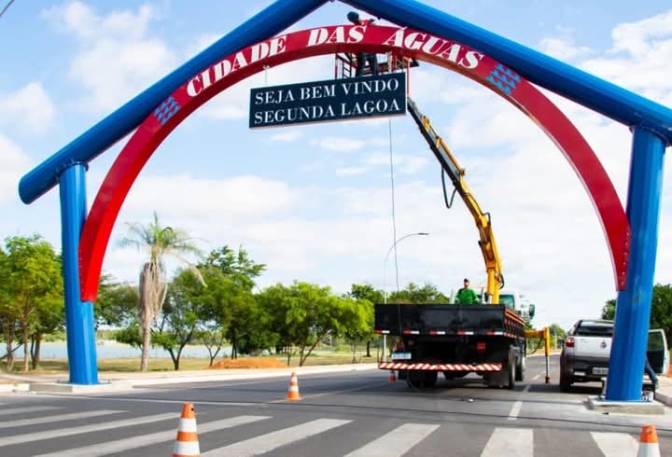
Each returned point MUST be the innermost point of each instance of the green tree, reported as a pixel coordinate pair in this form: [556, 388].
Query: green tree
[661, 308]
[117, 303]
[50, 319]
[609, 310]
[160, 242]
[428, 293]
[304, 314]
[230, 301]
[357, 323]
[33, 282]
[131, 335]
[180, 315]
[372, 295]
[212, 336]
[235, 265]
[212, 314]
[8, 312]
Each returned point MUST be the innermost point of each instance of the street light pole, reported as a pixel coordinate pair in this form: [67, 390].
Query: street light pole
[396, 267]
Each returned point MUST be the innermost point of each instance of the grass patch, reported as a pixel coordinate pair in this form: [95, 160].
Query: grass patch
[132, 365]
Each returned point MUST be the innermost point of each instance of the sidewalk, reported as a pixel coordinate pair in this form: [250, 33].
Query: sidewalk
[664, 392]
[21, 383]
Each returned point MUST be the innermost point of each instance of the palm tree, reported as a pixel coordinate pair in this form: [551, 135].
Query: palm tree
[161, 242]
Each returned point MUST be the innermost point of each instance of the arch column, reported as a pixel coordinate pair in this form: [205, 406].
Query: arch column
[633, 305]
[79, 322]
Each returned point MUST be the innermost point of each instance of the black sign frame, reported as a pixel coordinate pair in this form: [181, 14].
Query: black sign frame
[332, 100]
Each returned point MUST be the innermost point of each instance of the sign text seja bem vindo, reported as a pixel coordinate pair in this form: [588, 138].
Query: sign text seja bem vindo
[330, 100]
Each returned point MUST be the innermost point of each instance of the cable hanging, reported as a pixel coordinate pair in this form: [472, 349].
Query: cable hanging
[394, 216]
[4, 10]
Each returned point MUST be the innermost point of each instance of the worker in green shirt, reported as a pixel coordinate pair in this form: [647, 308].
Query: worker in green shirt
[466, 296]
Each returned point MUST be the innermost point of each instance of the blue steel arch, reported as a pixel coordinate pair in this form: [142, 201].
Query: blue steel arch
[651, 124]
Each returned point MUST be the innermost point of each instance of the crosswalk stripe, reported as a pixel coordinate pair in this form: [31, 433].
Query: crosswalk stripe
[126, 444]
[510, 442]
[274, 440]
[59, 418]
[58, 433]
[397, 442]
[28, 409]
[615, 444]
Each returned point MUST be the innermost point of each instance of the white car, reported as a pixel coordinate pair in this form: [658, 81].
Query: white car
[585, 354]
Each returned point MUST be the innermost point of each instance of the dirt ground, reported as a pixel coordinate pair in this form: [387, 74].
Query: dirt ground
[248, 363]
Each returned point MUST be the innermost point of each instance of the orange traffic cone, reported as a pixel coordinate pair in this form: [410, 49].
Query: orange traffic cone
[392, 377]
[293, 392]
[186, 444]
[648, 442]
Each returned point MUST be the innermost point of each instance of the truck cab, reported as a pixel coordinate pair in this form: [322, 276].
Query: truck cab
[511, 298]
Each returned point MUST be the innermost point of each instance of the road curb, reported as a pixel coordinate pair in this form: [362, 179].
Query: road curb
[664, 398]
[11, 388]
[113, 383]
[243, 376]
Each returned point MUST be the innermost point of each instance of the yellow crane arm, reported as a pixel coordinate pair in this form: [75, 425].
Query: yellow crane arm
[493, 263]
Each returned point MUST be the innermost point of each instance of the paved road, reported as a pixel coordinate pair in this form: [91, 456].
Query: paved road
[353, 414]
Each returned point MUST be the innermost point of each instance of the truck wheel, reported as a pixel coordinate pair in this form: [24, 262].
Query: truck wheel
[520, 369]
[430, 379]
[415, 379]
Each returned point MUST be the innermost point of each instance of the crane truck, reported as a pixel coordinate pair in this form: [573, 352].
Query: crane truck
[488, 338]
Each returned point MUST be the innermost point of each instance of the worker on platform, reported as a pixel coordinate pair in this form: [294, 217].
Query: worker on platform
[364, 57]
[466, 295]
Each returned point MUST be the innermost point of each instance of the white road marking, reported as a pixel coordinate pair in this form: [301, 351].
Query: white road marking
[271, 441]
[58, 418]
[510, 442]
[28, 409]
[397, 442]
[58, 433]
[515, 409]
[170, 402]
[616, 444]
[126, 444]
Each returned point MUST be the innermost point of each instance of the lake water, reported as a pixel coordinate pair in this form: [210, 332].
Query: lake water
[114, 350]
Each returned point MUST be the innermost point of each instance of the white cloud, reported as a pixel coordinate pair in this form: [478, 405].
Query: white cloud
[117, 57]
[13, 164]
[351, 171]
[287, 137]
[562, 46]
[339, 144]
[648, 35]
[561, 49]
[29, 109]
[239, 197]
[403, 163]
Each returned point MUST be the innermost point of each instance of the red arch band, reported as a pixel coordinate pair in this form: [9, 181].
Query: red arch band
[329, 40]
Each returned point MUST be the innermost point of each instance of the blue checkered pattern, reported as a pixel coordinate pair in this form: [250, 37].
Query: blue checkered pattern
[166, 110]
[504, 79]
